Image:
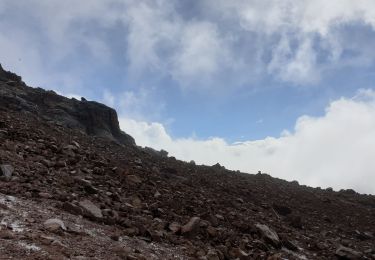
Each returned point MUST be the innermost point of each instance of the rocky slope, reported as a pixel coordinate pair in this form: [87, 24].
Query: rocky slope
[72, 188]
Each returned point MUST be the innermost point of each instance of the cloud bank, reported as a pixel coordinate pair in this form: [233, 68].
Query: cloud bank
[199, 45]
[335, 150]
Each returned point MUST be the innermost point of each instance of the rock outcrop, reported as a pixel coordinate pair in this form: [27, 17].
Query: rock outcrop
[89, 116]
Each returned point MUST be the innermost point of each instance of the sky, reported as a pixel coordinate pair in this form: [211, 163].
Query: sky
[284, 87]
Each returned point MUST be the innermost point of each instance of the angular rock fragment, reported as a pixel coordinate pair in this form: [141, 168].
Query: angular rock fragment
[90, 209]
[54, 225]
[191, 226]
[6, 170]
[348, 253]
[268, 235]
[72, 208]
[133, 179]
[174, 227]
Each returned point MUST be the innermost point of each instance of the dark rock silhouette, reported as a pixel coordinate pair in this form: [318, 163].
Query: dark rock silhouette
[90, 116]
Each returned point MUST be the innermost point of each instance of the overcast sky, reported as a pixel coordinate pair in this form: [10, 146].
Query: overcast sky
[285, 87]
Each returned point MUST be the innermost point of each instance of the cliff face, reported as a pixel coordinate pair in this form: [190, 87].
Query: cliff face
[91, 117]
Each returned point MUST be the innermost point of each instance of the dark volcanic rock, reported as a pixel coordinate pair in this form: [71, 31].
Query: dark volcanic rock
[9, 76]
[6, 170]
[268, 234]
[348, 253]
[89, 116]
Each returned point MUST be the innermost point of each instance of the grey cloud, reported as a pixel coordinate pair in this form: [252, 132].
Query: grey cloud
[199, 44]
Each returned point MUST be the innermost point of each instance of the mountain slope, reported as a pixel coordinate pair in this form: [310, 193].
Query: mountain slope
[114, 200]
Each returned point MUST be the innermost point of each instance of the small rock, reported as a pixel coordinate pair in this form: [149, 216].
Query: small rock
[136, 202]
[281, 209]
[191, 225]
[347, 253]
[363, 235]
[138, 161]
[46, 240]
[72, 208]
[122, 251]
[133, 179]
[54, 225]
[76, 144]
[295, 221]
[238, 254]
[45, 195]
[212, 231]
[90, 209]
[212, 255]
[219, 217]
[174, 227]
[6, 234]
[6, 170]
[157, 194]
[268, 235]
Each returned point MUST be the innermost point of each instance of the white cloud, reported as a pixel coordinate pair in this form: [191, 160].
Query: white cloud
[108, 98]
[225, 43]
[335, 150]
[139, 104]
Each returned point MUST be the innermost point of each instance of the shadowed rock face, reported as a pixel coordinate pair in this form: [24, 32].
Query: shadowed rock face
[89, 116]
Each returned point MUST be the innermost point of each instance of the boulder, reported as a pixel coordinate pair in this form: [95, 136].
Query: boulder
[54, 225]
[268, 235]
[90, 209]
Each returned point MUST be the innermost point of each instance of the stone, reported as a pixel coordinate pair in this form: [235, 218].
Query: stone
[133, 179]
[136, 202]
[174, 227]
[294, 220]
[237, 253]
[157, 194]
[46, 240]
[72, 208]
[268, 235]
[54, 225]
[212, 255]
[212, 231]
[90, 209]
[138, 161]
[6, 170]
[6, 234]
[45, 195]
[281, 209]
[363, 235]
[122, 251]
[191, 225]
[347, 253]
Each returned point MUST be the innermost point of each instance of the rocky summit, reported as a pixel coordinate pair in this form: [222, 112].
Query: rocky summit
[74, 186]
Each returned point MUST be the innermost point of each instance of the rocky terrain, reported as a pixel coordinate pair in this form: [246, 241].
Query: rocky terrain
[74, 186]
